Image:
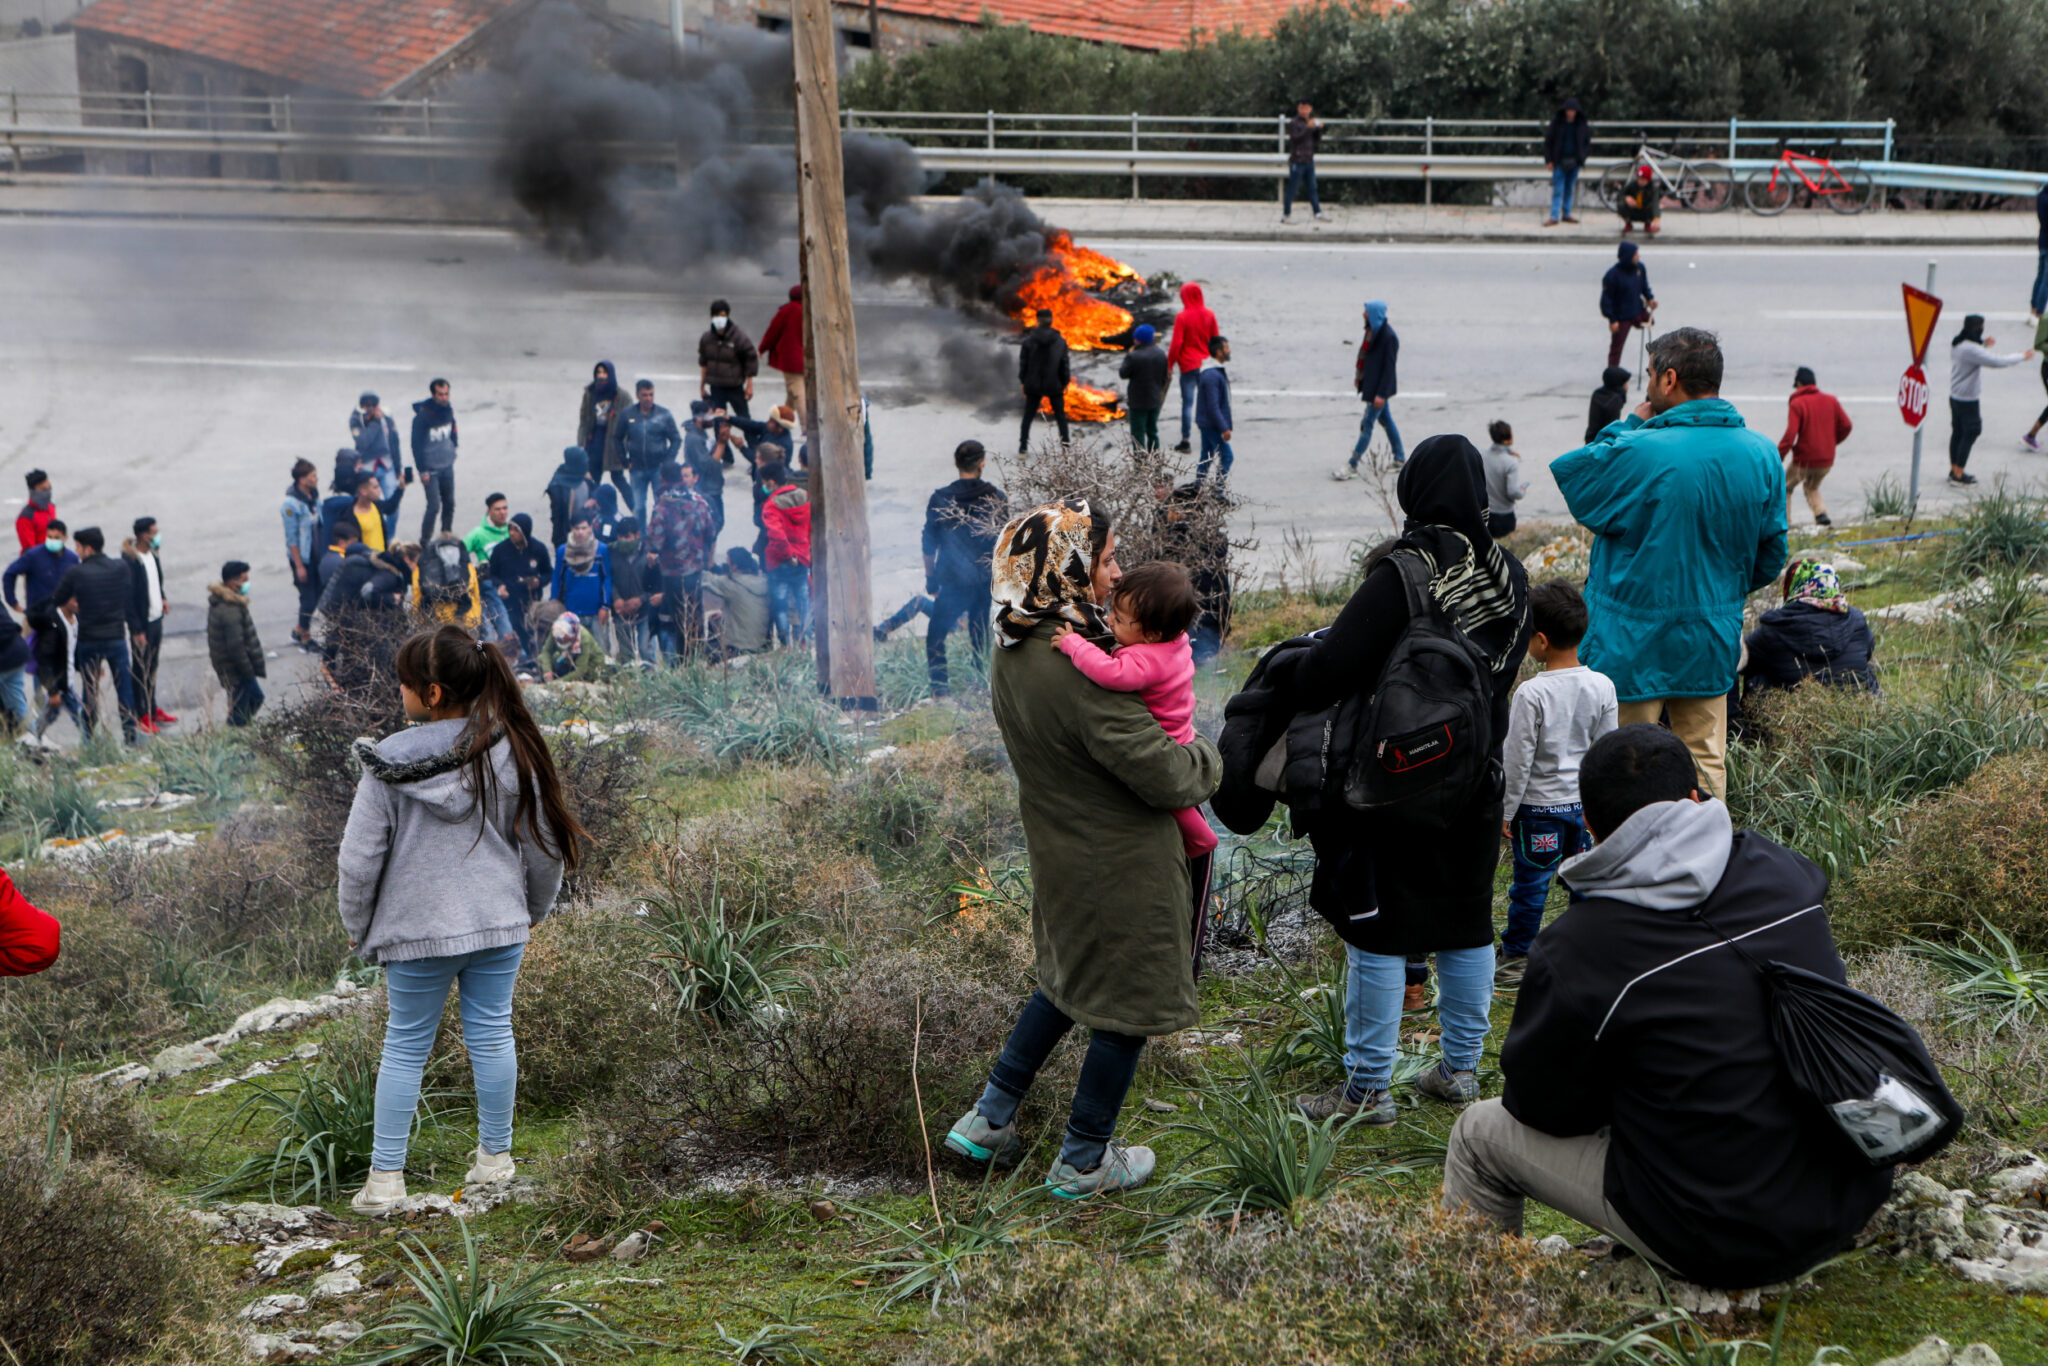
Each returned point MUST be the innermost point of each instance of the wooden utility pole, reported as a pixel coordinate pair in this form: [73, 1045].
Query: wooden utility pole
[844, 612]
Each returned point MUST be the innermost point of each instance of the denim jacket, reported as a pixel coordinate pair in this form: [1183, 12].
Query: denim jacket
[301, 527]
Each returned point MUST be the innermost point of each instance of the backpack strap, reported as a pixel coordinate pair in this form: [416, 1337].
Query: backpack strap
[1414, 582]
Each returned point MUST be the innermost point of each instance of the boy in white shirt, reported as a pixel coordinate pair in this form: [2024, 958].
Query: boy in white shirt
[1555, 719]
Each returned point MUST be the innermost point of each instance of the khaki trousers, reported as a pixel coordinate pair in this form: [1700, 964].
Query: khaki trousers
[793, 390]
[1807, 477]
[1702, 722]
[1496, 1163]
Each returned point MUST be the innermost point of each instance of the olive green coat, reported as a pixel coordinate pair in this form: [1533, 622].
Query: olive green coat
[1098, 782]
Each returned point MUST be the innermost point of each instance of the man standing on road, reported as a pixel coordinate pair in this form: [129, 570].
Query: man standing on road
[1188, 350]
[1146, 368]
[960, 525]
[1687, 510]
[1566, 145]
[648, 437]
[103, 592]
[1373, 376]
[1626, 299]
[146, 575]
[2038, 303]
[32, 521]
[1042, 368]
[379, 452]
[1816, 424]
[1212, 414]
[726, 362]
[434, 440]
[783, 345]
[1304, 135]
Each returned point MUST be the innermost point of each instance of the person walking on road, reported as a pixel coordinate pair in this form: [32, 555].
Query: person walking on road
[1304, 136]
[1146, 368]
[101, 592]
[1815, 425]
[1566, 145]
[1687, 510]
[146, 574]
[232, 643]
[1372, 375]
[1043, 370]
[1608, 400]
[1187, 350]
[960, 525]
[434, 441]
[1212, 414]
[1626, 299]
[1969, 355]
[727, 362]
[782, 344]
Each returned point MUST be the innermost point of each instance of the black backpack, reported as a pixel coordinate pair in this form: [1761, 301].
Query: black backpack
[444, 575]
[1427, 742]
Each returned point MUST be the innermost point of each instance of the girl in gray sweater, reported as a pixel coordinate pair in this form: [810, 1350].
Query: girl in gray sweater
[454, 850]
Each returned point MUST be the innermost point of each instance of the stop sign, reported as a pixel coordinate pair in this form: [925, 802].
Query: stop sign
[1913, 396]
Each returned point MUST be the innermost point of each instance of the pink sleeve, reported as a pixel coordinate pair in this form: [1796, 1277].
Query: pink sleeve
[1133, 668]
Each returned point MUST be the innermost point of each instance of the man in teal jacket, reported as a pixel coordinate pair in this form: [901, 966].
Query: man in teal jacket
[1687, 510]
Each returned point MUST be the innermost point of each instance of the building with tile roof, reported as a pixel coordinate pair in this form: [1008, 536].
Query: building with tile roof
[1148, 25]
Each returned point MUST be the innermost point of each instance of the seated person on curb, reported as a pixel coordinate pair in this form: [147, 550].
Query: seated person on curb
[1643, 1093]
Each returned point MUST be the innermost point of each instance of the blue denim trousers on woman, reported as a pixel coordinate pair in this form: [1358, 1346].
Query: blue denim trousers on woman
[1372, 1011]
[1564, 184]
[1106, 1073]
[1543, 837]
[418, 990]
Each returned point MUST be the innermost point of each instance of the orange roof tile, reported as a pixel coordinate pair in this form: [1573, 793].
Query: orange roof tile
[1150, 24]
[356, 47]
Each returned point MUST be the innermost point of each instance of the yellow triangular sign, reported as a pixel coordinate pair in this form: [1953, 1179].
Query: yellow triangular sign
[1922, 309]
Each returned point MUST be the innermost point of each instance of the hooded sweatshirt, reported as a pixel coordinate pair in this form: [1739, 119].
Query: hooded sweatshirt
[1635, 1017]
[786, 517]
[1193, 327]
[433, 435]
[1568, 142]
[1372, 375]
[1608, 400]
[1968, 358]
[782, 344]
[567, 488]
[428, 870]
[1625, 290]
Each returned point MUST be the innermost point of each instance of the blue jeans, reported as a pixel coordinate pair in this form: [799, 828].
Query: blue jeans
[1372, 1011]
[1214, 446]
[1301, 180]
[1106, 1072]
[789, 601]
[113, 653]
[418, 990]
[1190, 385]
[14, 692]
[2040, 296]
[1383, 413]
[246, 702]
[497, 616]
[1543, 838]
[1564, 185]
[644, 484]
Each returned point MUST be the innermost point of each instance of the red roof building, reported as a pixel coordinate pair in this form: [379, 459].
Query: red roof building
[1147, 25]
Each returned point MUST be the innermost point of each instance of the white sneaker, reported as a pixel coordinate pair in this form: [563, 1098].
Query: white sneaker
[1343, 473]
[1322, 217]
[489, 1168]
[380, 1194]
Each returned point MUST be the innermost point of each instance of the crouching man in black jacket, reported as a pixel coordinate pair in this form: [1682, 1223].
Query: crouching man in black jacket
[1644, 1096]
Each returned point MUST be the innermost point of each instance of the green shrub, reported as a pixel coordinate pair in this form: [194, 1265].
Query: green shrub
[212, 764]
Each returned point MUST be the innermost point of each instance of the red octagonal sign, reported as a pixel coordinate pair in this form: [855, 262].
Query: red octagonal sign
[1913, 396]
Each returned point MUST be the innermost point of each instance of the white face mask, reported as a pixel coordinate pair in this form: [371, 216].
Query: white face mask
[720, 322]
[54, 544]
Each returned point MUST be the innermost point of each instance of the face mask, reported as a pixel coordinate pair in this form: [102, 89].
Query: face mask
[720, 321]
[156, 541]
[40, 497]
[243, 590]
[55, 545]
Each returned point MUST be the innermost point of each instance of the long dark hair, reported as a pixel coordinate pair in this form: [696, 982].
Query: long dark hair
[474, 674]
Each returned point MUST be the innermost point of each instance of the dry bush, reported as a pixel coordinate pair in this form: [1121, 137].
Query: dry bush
[1368, 1282]
[600, 782]
[918, 814]
[103, 994]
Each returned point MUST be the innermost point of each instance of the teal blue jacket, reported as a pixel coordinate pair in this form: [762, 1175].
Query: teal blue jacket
[1687, 512]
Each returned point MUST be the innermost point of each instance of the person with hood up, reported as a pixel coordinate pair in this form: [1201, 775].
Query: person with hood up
[1687, 510]
[1816, 634]
[1969, 355]
[1304, 136]
[1372, 375]
[567, 491]
[232, 643]
[1389, 885]
[583, 573]
[1212, 414]
[455, 849]
[786, 523]
[595, 425]
[434, 441]
[726, 362]
[1815, 425]
[1626, 299]
[1641, 201]
[521, 570]
[572, 654]
[1567, 142]
[1645, 1093]
[782, 343]
[1608, 401]
[1146, 370]
[1098, 781]
[1187, 351]
[1043, 371]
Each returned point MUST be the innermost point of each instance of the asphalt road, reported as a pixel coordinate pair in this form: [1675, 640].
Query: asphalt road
[178, 369]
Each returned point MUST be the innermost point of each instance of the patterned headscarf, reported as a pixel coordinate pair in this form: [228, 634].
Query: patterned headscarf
[1815, 584]
[1044, 570]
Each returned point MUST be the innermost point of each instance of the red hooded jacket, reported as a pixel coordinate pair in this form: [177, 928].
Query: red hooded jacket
[786, 518]
[28, 937]
[32, 522]
[1815, 424]
[1193, 327]
[782, 345]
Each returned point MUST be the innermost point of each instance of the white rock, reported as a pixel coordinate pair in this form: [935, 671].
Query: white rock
[340, 1333]
[344, 986]
[253, 1071]
[179, 1059]
[206, 1219]
[632, 1247]
[1977, 1354]
[277, 1347]
[127, 1075]
[342, 1261]
[270, 1261]
[274, 1306]
[1556, 1245]
[1929, 1351]
[305, 1052]
[335, 1284]
[2023, 1180]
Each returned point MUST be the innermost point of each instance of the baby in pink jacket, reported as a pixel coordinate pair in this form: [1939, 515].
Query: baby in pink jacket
[1150, 615]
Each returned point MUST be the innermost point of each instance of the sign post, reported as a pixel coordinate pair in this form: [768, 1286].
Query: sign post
[1922, 308]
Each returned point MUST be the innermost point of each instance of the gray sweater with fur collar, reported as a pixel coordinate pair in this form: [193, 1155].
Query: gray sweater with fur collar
[416, 880]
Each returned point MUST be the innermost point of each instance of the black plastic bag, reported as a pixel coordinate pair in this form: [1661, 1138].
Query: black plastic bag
[1866, 1068]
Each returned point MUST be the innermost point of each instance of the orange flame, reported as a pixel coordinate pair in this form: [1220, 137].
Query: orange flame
[1062, 287]
[1089, 266]
[1085, 404]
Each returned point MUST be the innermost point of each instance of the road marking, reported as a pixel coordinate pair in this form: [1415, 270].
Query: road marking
[265, 363]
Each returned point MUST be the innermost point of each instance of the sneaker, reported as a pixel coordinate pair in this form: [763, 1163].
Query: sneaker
[1453, 1088]
[380, 1194]
[1822, 519]
[1414, 999]
[145, 725]
[1184, 448]
[977, 1140]
[1508, 975]
[1344, 472]
[1375, 1108]
[489, 1168]
[2031, 442]
[1962, 480]
[163, 718]
[1653, 229]
[1322, 217]
[1285, 219]
[1121, 1169]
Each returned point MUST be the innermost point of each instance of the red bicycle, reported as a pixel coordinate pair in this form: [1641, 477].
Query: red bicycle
[1846, 189]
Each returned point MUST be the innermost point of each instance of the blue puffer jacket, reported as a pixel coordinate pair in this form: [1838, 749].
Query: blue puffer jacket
[1688, 516]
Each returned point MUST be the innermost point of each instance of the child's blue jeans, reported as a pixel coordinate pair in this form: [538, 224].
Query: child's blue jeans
[418, 990]
[1543, 837]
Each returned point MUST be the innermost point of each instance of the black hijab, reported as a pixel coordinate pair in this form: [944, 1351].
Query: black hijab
[1442, 491]
[1973, 330]
[604, 381]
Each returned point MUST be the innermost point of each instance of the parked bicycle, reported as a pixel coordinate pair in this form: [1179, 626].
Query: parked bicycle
[1702, 186]
[1810, 176]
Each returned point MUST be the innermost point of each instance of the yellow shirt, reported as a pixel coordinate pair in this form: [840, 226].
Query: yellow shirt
[372, 526]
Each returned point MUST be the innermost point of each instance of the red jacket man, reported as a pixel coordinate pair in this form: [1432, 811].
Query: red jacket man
[1193, 326]
[28, 937]
[1815, 424]
[782, 345]
[35, 519]
[786, 517]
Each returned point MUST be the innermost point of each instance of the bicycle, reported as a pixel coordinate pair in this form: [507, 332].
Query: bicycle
[1847, 189]
[1701, 186]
